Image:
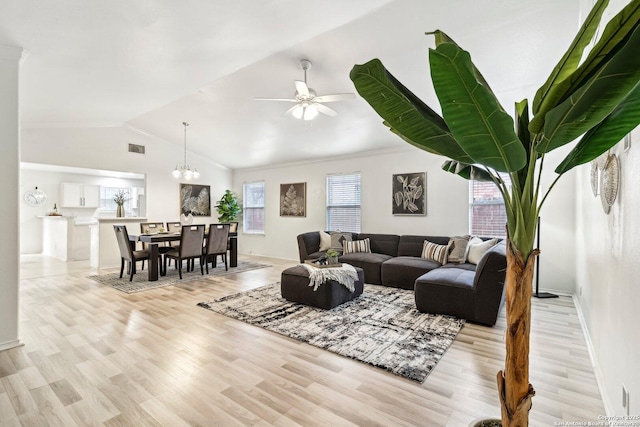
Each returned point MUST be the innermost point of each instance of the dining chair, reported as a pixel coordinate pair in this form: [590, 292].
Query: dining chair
[127, 253]
[154, 227]
[191, 241]
[216, 245]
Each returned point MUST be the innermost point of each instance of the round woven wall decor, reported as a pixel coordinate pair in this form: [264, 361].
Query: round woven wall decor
[610, 182]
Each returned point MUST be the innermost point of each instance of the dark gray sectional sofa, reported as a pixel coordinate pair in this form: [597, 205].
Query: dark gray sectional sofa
[468, 291]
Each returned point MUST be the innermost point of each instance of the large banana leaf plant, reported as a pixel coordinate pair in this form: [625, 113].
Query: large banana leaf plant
[592, 103]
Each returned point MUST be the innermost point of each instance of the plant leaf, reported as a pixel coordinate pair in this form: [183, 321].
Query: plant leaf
[594, 101]
[546, 98]
[404, 112]
[398, 198]
[474, 115]
[622, 120]
[470, 172]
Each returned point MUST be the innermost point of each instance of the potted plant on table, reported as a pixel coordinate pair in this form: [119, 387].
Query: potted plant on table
[332, 256]
[120, 198]
[597, 98]
[228, 207]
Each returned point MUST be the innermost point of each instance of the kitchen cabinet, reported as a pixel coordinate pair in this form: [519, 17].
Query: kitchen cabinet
[76, 195]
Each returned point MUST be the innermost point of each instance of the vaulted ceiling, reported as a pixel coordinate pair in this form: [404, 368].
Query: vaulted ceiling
[152, 64]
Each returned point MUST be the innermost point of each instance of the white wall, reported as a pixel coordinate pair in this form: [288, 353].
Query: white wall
[10, 58]
[608, 273]
[106, 148]
[447, 207]
[49, 183]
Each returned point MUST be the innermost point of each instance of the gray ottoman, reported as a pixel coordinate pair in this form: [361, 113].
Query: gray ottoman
[294, 286]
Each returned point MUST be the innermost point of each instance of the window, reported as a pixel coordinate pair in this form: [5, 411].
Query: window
[106, 199]
[343, 202]
[487, 215]
[253, 207]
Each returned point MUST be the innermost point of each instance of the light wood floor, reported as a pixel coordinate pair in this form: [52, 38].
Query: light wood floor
[95, 356]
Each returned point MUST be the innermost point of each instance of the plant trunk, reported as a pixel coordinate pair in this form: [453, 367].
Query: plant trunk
[513, 384]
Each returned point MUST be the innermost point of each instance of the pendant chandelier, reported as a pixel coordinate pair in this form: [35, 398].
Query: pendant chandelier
[185, 170]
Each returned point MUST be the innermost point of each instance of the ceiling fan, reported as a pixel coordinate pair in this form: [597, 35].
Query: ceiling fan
[308, 103]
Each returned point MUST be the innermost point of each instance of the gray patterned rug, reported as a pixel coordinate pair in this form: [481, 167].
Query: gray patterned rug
[140, 282]
[381, 327]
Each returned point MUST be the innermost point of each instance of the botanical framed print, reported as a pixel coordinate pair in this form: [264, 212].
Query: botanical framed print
[195, 199]
[293, 199]
[409, 193]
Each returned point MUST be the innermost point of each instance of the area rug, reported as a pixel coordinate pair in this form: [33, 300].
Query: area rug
[140, 282]
[381, 327]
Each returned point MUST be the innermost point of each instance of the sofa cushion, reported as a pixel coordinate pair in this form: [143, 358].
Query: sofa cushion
[325, 241]
[476, 249]
[465, 266]
[458, 248]
[370, 262]
[356, 246]
[402, 272]
[382, 243]
[412, 245]
[435, 252]
[338, 239]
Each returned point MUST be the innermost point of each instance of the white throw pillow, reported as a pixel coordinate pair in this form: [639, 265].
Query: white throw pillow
[325, 241]
[477, 250]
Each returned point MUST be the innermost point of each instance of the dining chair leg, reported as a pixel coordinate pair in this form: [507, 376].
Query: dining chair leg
[121, 267]
[226, 267]
[201, 266]
[179, 262]
[132, 270]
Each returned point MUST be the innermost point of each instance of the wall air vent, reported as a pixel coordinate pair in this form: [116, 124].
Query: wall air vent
[134, 148]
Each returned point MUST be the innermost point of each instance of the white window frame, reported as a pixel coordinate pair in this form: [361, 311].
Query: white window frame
[498, 201]
[357, 205]
[247, 226]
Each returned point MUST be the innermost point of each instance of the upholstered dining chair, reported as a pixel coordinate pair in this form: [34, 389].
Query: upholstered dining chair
[153, 227]
[191, 242]
[216, 245]
[126, 251]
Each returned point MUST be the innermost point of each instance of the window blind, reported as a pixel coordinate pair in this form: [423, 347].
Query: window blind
[253, 207]
[487, 215]
[343, 202]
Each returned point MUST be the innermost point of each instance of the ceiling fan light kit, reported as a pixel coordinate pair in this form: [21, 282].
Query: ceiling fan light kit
[308, 103]
[185, 170]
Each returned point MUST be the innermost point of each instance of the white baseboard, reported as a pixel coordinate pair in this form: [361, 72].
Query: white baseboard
[10, 344]
[608, 407]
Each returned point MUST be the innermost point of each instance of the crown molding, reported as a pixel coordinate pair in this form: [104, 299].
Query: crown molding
[67, 125]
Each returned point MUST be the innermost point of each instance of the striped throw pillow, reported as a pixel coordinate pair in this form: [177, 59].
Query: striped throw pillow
[435, 252]
[356, 246]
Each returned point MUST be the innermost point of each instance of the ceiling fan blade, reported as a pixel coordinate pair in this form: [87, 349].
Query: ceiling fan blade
[334, 97]
[302, 88]
[325, 110]
[276, 99]
[290, 111]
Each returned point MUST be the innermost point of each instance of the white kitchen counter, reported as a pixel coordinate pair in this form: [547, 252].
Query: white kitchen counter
[65, 238]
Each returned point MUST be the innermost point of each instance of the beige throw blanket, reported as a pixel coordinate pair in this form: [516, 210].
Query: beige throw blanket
[345, 275]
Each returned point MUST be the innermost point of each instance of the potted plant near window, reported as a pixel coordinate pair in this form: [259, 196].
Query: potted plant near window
[592, 102]
[228, 207]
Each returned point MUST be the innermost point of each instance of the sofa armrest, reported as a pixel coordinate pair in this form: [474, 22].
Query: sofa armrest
[308, 243]
[489, 284]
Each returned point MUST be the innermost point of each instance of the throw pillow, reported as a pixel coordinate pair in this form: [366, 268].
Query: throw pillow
[325, 241]
[435, 252]
[458, 248]
[476, 251]
[357, 246]
[337, 238]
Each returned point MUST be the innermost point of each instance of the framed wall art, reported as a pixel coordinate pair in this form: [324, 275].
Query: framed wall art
[409, 193]
[293, 199]
[195, 200]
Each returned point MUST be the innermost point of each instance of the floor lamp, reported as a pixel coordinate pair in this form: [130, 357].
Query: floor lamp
[539, 294]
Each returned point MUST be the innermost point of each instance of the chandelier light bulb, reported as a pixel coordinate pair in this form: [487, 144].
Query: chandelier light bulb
[185, 170]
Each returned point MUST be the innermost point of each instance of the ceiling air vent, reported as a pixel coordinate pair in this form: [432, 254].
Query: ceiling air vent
[134, 148]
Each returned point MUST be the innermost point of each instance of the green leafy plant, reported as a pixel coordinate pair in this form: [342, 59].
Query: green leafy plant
[332, 253]
[228, 207]
[598, 98]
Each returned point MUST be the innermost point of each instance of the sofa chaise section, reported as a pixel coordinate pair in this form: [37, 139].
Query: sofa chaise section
[475, 294]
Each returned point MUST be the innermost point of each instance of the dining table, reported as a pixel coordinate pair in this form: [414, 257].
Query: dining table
[154, 239]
